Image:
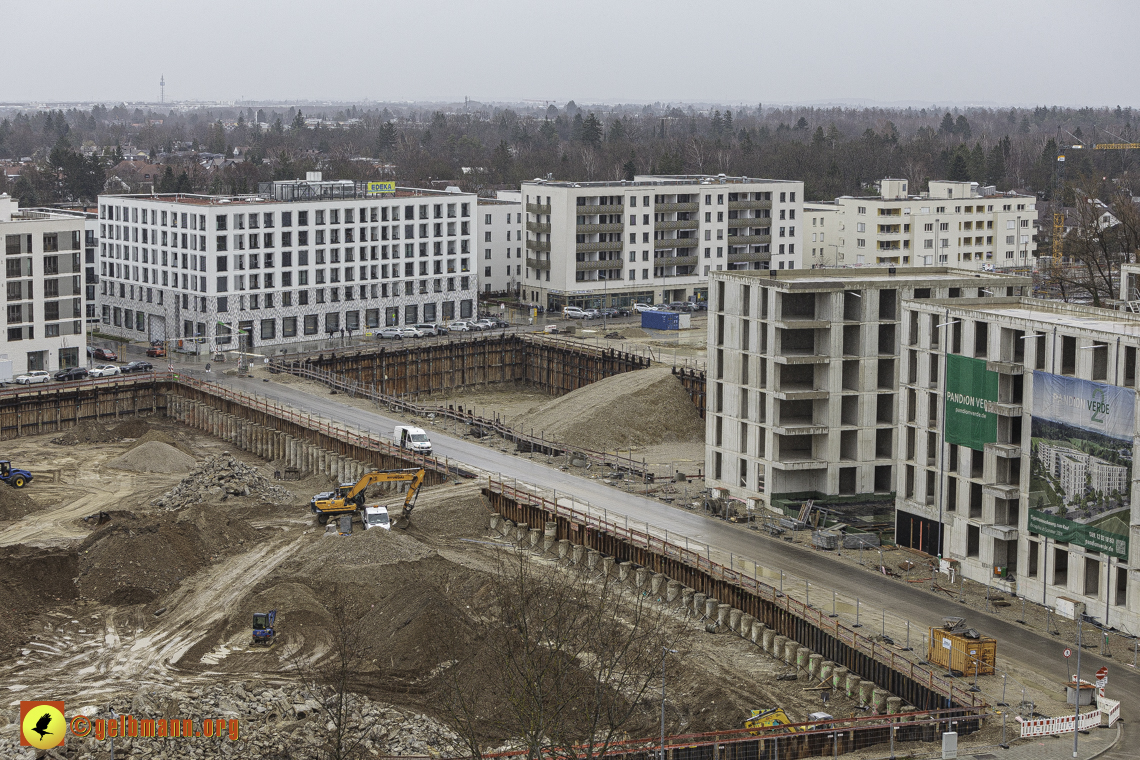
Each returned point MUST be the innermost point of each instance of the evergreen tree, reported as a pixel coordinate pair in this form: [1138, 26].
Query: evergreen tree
[959, 168]
[591, 130]
[962, 127]
[946, 128]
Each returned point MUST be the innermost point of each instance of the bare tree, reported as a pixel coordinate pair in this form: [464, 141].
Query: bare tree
[566, 659]
[1104, 235]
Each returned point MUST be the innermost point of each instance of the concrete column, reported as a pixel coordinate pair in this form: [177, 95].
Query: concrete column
[866, 689]
[734, 616]
[814, 661]
[778, 643]
[506, 527]
[579, 554]
[535, 538]
[802, 656]
[549, 536]
[791, 649]
[609, 566]
[625, 569]
[593, 557]
[826, 672]
[687, 595]
[656, 581]
[723, 613]
[853, 682]
[641, 577]
[699, 604]
[493, 521]
[894, 705]
[767, 637]
[565, 548]
[879, 700]
[839, 677]
[522, 534]
[711, 606]
[757, 633]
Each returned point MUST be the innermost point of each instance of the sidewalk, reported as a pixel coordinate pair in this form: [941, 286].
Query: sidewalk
[1091, 745]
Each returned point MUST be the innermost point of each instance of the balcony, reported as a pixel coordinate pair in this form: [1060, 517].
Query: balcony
[749, 239]
[538, 227]
[1003, 409]
[589, 266]
[676, 243]
[1000, 532]
[538, 245]
[537, 264]
[799, 427]
[739, 258]
[683, 224]
[591, 210]
[589, 229]
[591, 247]
[1003, 450]
[676, 261]
[736, 205]
[1006, 368]
[1007, 491]
[538, 208]
[667, 208]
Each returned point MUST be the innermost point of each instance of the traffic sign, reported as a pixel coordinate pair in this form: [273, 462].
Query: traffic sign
[1068, 653]
[1102, 673]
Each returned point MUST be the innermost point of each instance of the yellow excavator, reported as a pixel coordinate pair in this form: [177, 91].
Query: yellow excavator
[349, 497]
[759, 719]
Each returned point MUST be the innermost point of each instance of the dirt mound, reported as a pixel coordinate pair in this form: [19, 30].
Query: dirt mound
[100, 431]
[36, 581]
[220, 478]
[136, 558]
[14, 503]
[154, 456]
[162, 436]
[134, 428]
[638, 408]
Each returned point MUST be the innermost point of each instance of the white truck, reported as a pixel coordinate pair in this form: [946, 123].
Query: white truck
[412, 438]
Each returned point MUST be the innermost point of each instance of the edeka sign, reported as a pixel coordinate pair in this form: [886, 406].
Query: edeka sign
[969, 385]
[1060, 529]
[381, 187]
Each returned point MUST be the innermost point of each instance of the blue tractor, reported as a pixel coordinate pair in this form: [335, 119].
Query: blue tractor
[14, 476]
[263, 632]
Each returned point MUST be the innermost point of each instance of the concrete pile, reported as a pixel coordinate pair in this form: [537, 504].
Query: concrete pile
[274, 722]
[220, 478]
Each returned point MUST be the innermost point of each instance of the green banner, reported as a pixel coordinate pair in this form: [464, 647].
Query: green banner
[1088, 536]
[969, 385]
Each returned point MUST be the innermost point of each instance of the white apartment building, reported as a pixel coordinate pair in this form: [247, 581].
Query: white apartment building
[821, 244]
[803, 385]
[300, 260]
[43, 272]
[1040, 497]
[655, 239]
[955, 224]
[500, 245]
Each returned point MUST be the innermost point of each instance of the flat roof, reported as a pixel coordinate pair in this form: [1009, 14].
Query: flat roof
[1054, 313]
[655, 180]
[836, 277]
[191, 199]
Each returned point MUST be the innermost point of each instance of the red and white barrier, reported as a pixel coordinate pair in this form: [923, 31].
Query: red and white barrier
[1109, 710]
[1064, 725]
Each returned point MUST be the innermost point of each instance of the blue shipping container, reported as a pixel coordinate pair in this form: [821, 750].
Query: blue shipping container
[660, 320]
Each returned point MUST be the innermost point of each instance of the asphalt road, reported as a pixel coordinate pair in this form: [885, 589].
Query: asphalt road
[1027, 648]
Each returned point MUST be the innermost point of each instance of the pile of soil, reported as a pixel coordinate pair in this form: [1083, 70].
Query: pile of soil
[638, 408]
[14, 503]
[134, 558]
[220, 478]
[163, 436]
[92, 431]
[37, 580]
[154, 456]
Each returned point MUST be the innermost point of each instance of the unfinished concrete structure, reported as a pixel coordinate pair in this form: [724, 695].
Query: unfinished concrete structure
[802, 393]
[1036, 493]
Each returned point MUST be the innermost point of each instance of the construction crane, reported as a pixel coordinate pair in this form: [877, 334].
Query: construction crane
[349, 497]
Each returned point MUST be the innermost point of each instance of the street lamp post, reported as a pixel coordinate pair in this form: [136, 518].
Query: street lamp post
[664, 651]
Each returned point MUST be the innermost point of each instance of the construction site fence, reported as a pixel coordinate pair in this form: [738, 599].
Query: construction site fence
[692, 565]
[484, 425]
[835, 737]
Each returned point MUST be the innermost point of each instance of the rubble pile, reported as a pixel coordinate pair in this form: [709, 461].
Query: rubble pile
[220, 478]
[276, 722]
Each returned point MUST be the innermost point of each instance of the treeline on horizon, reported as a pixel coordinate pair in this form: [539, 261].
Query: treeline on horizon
[835, 151]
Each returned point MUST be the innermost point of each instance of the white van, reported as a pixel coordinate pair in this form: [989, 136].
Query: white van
[413, 438]
[376, 517]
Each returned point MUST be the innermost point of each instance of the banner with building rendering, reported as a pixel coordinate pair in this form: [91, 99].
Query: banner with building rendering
[969, 385]
[1080, 482]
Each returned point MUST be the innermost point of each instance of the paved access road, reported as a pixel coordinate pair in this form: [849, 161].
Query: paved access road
[1029, 649]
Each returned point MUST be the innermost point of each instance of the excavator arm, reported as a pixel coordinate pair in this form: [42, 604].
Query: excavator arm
[416, 477]
[413, 493]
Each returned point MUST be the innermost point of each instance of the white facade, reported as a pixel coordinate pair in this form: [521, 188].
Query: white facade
[43, 282]
[655, 239]
[821, 244]
[299, 261]
[500, 245]
[956, 224]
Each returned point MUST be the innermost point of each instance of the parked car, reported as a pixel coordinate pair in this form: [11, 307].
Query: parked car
[137, 366]
[428, 329]
[156, 352]
[35, 376]
[640, 307]
[395, 333]
[440, 328]
[681, 306]
[72, 373]
[106, 354]
[459, 326]
[573, 312]
[411, 331]
[593, 313]
[105, 370]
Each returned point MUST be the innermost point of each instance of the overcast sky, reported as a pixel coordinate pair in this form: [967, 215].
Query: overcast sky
[990, 52]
